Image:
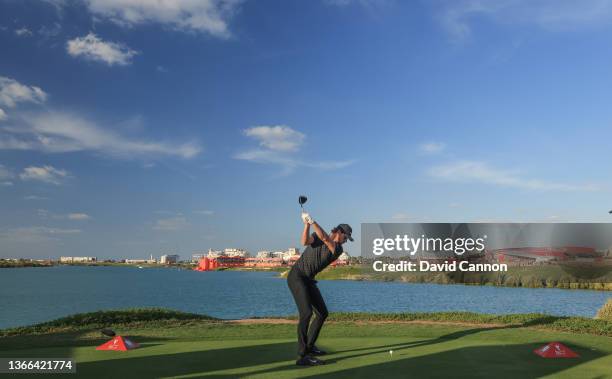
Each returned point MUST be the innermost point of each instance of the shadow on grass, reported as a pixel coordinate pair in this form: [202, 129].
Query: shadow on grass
[200, 362]
[193, 362]
[485, 361]
[495, 361]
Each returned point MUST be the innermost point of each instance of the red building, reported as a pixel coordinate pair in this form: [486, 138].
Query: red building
[546, 254]
[208, 264]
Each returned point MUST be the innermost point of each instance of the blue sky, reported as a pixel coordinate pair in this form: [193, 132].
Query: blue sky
[129, 128]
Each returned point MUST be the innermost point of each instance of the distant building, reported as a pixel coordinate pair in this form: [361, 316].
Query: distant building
[289, 253]
[212, 254]
[264, 262]
[140, 261]
[168, 259]
[277, 254]
[225, 261]
[535, 255]
[78, 259]
[263, 254]
[235, 253]
[195, 258]
[136, 261]
[342, 260]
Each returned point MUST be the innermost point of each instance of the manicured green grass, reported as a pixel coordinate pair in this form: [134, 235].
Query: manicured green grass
[360, 348]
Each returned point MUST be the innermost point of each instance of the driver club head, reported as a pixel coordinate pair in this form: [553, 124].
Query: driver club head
[302, 199]
[108, 332]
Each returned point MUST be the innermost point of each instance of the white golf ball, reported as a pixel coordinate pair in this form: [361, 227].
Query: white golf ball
[391, 352]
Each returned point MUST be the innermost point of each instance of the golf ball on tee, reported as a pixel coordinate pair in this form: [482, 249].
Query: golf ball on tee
[391, 352]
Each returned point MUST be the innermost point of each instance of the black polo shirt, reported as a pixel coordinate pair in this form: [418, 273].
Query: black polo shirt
[316, 257]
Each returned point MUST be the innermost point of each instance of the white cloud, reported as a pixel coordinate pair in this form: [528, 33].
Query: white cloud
[35, 234]
[171, 224]
[209, 16]
[6, 184]
[480, 172]
[56, 132]
[278, 146]
[93, 48]
[12, 92]
[457, 16]
[78, 216]
[267, 157]
[47, 174]
[2, 114]
[277, 138]
[44, 214]
[432, 147]
[23, 32]
[204, 212]
[287, 162]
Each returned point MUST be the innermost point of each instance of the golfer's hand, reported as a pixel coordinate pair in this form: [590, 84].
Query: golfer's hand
[307, 219]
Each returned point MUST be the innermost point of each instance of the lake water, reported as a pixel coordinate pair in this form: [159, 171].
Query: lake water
[32, 295]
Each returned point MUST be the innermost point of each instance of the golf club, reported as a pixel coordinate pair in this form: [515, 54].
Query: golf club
[302, 200]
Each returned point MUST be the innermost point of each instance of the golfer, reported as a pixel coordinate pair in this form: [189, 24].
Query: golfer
[322, 249]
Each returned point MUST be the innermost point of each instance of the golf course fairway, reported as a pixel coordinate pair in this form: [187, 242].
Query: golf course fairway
[358, 348]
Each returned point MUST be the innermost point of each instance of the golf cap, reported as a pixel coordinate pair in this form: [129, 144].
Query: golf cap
[346, 229]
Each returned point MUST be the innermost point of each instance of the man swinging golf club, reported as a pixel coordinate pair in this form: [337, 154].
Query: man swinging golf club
[322, 249]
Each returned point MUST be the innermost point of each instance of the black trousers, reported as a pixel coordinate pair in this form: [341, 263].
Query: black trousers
[308, 300]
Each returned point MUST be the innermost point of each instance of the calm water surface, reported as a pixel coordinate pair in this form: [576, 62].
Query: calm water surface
[31, 295]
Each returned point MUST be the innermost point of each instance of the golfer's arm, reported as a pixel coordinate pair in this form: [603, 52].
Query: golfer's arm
[306, 237]
[331, 245]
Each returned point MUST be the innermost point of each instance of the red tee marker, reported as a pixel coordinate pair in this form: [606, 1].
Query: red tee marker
[555, 350]
[118, 343]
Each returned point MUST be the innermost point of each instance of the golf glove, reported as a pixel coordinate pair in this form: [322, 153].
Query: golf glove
[307, 219]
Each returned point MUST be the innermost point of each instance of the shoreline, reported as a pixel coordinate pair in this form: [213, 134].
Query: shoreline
[168, 318]
[515, 276]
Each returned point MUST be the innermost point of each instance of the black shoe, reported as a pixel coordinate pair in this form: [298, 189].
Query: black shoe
[309, 361]
[316, 351]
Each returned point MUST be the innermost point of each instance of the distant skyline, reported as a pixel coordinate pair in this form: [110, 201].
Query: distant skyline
[129, 129]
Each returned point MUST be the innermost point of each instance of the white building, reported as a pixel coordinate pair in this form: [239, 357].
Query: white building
[277, 254]
[214, 254]
[263, 254]
[78, 259]
[235, 253]
[344, 257]
[167, 259]
[140, 261]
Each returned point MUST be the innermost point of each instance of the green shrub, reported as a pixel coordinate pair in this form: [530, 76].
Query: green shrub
[101, 319]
